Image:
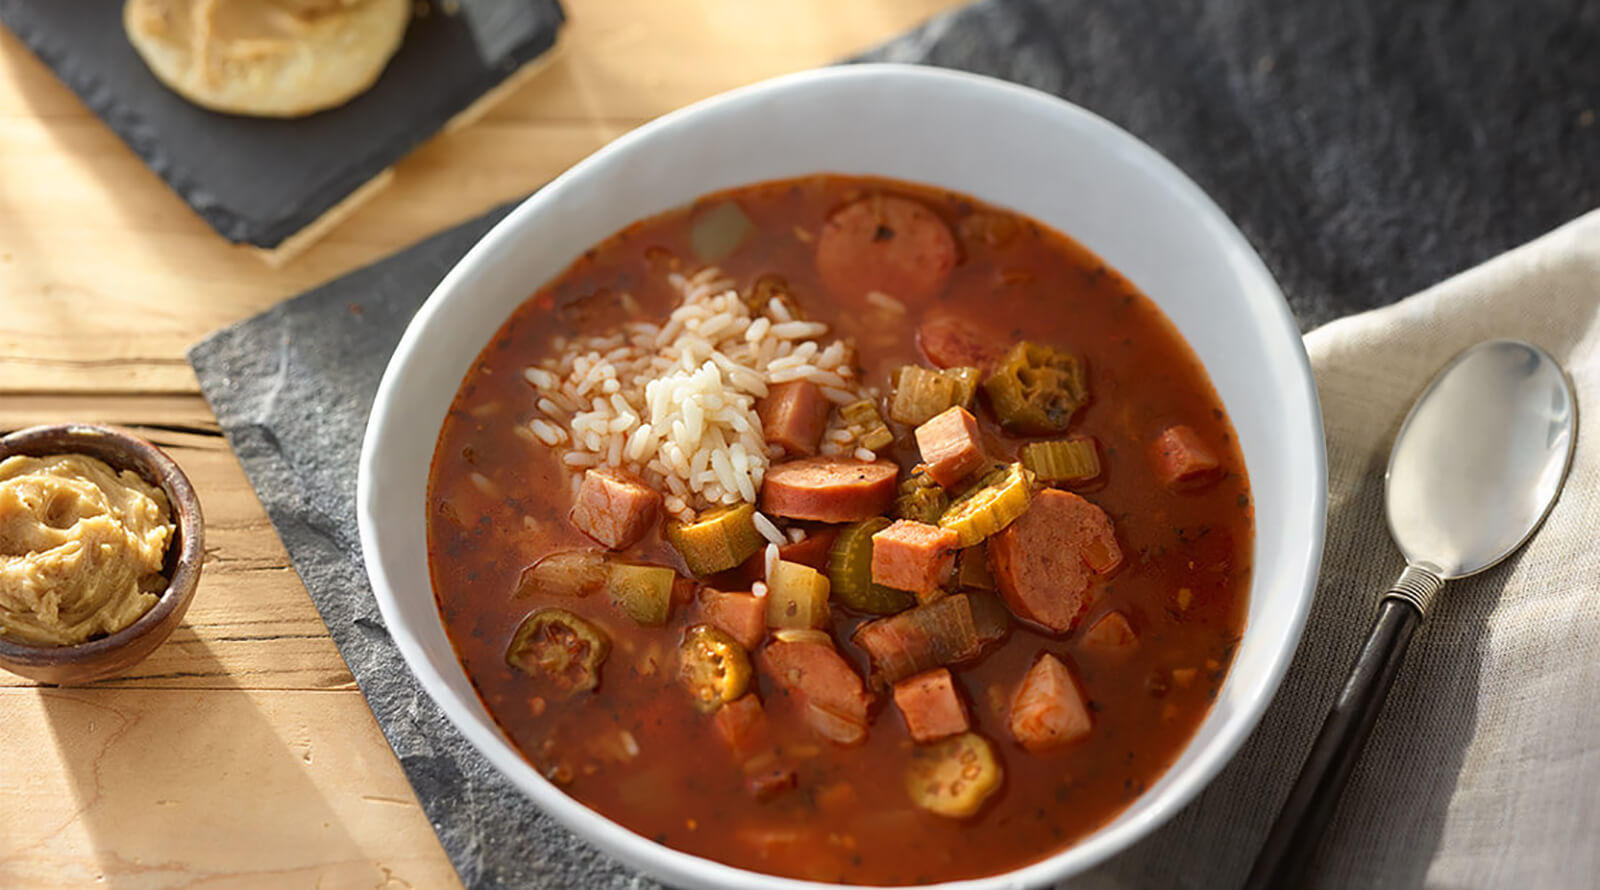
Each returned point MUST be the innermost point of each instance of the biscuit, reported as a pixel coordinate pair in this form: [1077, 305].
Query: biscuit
[267, 58]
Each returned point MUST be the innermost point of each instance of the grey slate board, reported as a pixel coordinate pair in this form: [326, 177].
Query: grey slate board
[257, 180]
[1368, 149]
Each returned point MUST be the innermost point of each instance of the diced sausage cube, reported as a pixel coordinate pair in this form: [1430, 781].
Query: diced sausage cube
[793, 415]
[914, 556]
[948, 442]
[1046, 562]
[1183, 459]
[614, 507]
[1112, 633]
[831, 695]
[1048, 710]
[741, 724]
[829, 489]
[742, 616]
[931, 706]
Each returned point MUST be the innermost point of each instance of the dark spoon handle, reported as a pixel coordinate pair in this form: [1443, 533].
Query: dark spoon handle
[1292, 844]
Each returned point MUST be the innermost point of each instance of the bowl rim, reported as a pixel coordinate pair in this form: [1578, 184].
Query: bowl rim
[146, 459]
[674, 865]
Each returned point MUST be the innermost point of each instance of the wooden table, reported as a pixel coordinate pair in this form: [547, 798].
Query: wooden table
[241, 753]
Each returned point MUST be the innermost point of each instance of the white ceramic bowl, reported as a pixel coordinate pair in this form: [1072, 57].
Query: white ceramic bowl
[999, 142]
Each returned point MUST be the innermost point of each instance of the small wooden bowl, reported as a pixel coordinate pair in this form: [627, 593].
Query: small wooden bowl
[111, 655]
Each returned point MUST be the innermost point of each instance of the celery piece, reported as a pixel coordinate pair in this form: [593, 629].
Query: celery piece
[863, 419]
[972, 568]
[920, 393]
[797, 596]
[643, 592]
[966, 384]
[1062, 460]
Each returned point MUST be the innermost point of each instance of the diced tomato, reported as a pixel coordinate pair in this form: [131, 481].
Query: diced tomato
[1048, 710]
[931, 706]
[1112, 633]
[812, 550]
[1183, 459]
[742, 724]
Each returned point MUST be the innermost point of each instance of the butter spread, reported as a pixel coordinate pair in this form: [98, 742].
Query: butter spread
[81, 548]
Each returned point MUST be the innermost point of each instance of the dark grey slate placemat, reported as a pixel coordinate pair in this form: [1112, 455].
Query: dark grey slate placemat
[258, 180]
[1367, 151]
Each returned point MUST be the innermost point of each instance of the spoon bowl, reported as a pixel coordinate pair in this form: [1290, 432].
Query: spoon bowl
[1478, 461]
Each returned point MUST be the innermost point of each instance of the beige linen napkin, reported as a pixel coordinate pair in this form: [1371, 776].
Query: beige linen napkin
[1484, 770]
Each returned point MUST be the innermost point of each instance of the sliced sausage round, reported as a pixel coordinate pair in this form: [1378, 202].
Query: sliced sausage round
[833, 698]
[951, 341]
[883, 243]
[829, 489]
[1045, 563]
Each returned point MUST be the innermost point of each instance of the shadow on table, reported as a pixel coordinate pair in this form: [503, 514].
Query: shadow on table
[175, 786]
[1212, 843]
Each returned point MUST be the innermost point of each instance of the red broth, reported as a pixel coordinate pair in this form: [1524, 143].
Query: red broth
[637, 750]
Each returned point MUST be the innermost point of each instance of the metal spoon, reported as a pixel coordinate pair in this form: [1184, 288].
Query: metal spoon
[1475, 468]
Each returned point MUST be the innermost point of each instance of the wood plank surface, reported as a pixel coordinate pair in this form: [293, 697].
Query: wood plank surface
[241, 755]
[138, 789]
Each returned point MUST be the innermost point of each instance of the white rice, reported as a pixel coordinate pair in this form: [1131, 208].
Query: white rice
[675, 401]
[885, 302]
[769, 531]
